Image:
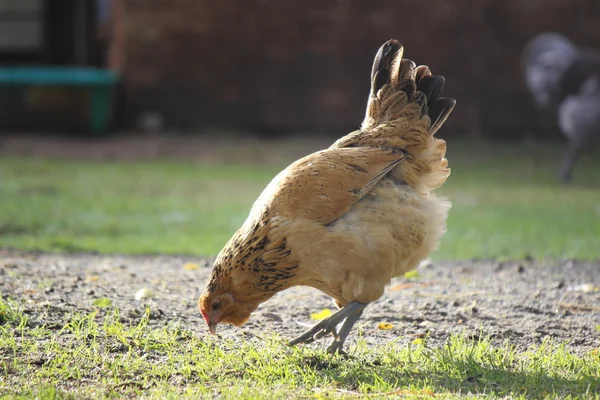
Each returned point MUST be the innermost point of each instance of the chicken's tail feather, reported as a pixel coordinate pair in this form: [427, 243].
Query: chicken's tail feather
[404, 111]
[397, 83]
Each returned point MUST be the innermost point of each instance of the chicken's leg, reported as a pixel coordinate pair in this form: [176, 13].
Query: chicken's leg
[350, 313]
[338, 340]
[568, 161]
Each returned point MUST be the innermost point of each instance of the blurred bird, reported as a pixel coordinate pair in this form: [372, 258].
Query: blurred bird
[566, 80]
[546, 58]
[347, 219]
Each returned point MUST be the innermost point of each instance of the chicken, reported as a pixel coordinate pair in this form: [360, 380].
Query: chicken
[347, 219]
[547, 57]
[566, 80]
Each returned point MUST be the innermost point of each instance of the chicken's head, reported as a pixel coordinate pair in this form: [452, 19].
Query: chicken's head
[221, 307]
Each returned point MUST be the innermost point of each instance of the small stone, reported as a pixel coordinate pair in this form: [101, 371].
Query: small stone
[143, 294]
[272, 316]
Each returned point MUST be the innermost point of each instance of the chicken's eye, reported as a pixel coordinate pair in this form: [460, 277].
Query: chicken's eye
[216, 306]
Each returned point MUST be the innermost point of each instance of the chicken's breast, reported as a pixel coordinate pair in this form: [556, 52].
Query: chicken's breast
[384, 235]
[579, 114]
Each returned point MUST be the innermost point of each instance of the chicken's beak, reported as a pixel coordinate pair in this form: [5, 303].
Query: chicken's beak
[212, 327]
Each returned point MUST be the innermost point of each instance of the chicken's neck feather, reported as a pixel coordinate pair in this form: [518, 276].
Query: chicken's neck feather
[255, 264]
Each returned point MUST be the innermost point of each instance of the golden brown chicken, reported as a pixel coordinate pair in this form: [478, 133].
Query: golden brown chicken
[348, 219]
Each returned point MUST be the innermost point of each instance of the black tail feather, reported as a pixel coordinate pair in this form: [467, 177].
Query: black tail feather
[440, 112]
[386, 64]
[419, 85]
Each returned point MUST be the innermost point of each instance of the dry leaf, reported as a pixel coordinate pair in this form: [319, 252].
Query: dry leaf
[92, 278]
[403, 286]
[385, 326]
[326, 312]
[191, 266]
[411, 275]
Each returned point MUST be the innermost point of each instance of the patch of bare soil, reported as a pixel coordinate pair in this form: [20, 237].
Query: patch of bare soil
[520, 302]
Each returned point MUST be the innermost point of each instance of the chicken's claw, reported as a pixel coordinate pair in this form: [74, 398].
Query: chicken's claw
[349, 314]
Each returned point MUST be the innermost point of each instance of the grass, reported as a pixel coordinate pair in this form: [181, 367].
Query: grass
[507, 204]
[97, 355]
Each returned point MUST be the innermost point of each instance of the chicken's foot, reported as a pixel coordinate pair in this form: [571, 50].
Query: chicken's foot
[349, 314]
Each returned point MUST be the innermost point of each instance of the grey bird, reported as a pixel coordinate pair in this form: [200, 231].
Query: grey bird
[566, 80]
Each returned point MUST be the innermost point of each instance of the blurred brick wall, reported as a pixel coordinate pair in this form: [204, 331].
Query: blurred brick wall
[286, 65]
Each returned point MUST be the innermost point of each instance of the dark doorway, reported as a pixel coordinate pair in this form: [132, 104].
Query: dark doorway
[51, 32]
[71, 32]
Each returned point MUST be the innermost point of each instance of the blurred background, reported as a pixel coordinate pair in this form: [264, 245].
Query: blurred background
[275, 67]
[89, 88]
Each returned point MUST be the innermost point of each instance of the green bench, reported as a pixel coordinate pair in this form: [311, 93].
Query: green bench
[97, 82]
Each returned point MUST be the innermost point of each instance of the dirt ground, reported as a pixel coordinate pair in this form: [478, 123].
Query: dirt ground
[522, 303]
